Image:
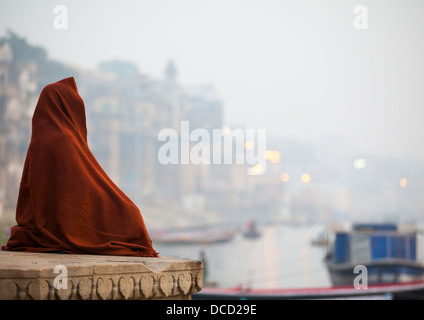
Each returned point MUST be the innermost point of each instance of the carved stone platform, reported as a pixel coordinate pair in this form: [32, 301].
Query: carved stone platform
[48, 276]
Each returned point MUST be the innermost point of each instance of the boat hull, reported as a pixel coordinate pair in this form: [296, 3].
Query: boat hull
[378, 272]
[400, 291]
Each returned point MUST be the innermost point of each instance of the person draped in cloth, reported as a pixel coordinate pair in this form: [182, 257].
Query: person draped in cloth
[66, 202]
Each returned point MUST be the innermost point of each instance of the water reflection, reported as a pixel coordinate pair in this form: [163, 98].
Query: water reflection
[282, 257]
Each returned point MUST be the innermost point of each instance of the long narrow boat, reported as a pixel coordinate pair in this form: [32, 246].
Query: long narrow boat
[391, 291]
[194, 235]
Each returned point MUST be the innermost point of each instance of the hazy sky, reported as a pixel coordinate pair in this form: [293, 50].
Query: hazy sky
[296, 68]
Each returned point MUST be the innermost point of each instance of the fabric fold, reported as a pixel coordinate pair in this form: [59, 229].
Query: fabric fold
[66, 202]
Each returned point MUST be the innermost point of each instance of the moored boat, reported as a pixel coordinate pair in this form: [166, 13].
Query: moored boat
[201, 235]
[251, 230]
[391, 291]
[320, 240]
[388, 253]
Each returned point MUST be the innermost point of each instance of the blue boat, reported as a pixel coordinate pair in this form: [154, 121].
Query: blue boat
[388, 253]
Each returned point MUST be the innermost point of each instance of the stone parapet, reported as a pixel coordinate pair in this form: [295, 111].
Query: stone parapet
[48, 276]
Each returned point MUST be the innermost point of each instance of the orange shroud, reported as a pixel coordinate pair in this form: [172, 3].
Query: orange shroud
[66, 202]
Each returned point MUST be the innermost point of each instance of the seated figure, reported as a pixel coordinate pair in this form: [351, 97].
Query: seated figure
[66, 202]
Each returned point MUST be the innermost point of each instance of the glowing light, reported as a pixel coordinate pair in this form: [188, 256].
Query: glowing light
[257, 169]
[306, 178]
[273, 156]
[268, 154]
[359, 163]
[403, 182]
[285, 177]
[249, 145]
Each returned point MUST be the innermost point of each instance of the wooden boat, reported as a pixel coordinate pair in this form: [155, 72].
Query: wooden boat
[388, 254]
[321, 239]
[393, 291]
[251, 231]
[200, 235]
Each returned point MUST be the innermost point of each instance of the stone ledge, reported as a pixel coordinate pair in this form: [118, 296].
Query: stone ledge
[25, 275]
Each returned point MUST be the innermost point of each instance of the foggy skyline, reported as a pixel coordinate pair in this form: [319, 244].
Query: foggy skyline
[296, 68]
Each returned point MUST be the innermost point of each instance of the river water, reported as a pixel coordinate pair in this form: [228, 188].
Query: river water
[282, 257]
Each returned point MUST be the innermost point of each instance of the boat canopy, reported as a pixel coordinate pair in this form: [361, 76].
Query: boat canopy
[357, 247]
[375, 227]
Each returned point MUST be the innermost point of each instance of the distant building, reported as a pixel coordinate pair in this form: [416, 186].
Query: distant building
[18, 97]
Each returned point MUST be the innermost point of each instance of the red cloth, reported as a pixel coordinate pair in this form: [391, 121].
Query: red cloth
[66, 201]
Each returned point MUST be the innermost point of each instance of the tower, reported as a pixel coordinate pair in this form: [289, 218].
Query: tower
[171, 73]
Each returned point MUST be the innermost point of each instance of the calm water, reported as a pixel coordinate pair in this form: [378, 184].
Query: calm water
[281, 258]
